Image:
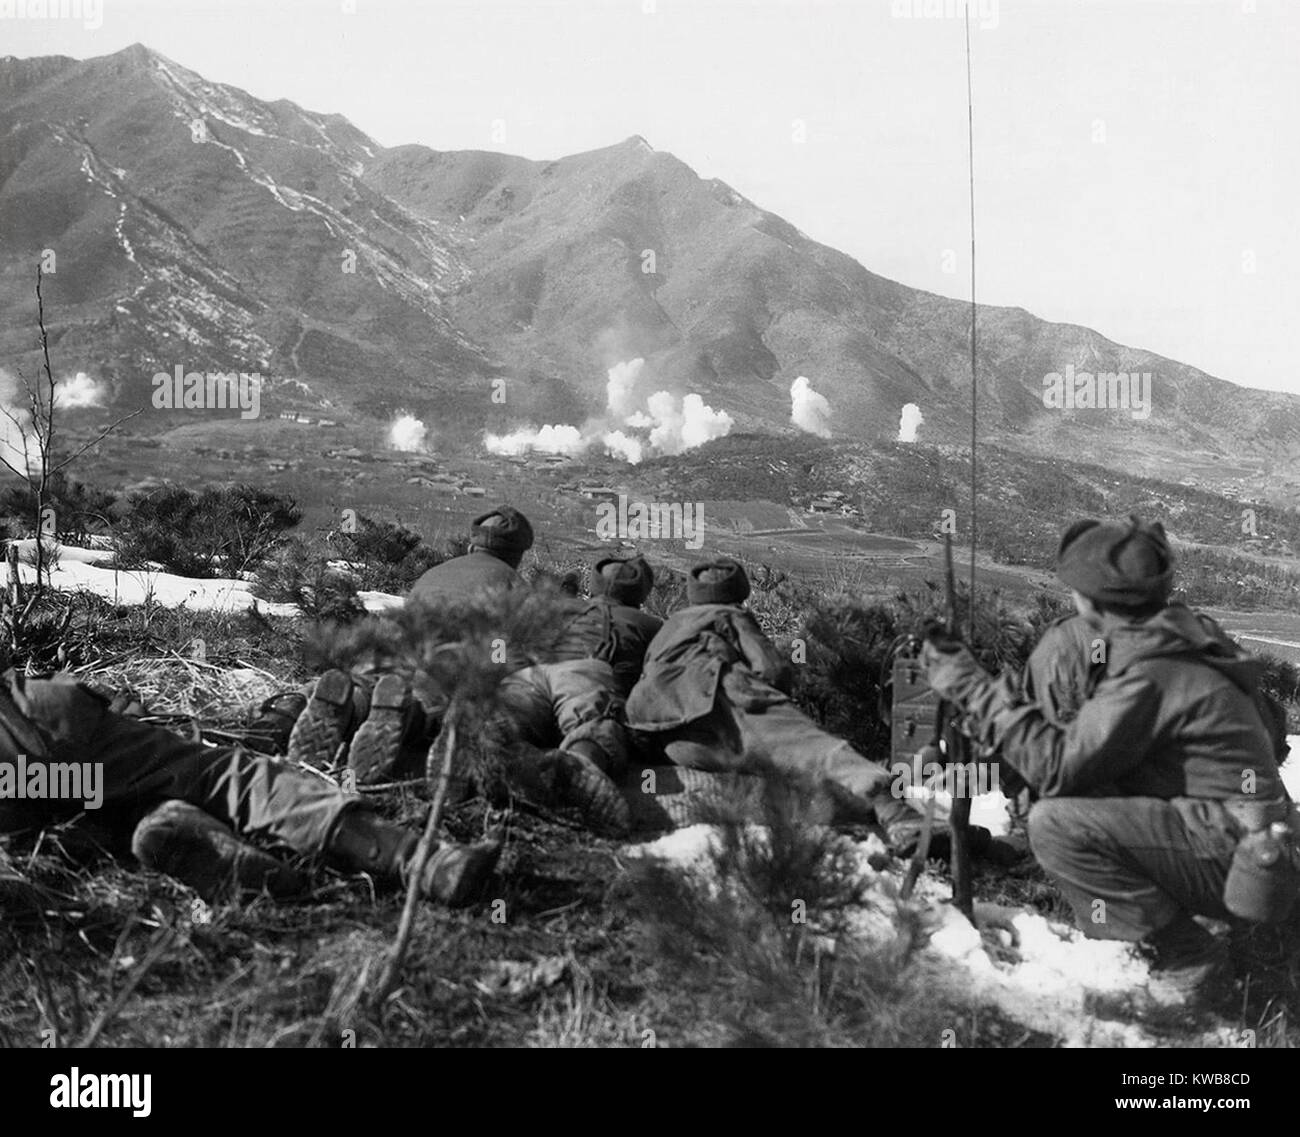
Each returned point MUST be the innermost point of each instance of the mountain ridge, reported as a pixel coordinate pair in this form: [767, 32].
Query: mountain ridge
[197, 224]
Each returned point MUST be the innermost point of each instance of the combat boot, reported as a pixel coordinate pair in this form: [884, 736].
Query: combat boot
[336, 706]
[374, 752]
[453, 874]
[182, 841]
[271, 729]
[580, 782]
[1188, 964]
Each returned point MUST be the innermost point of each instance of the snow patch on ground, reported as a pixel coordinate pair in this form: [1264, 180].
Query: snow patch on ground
[1291, 768]
[992, 810]
[91, 570]
[1041, 974]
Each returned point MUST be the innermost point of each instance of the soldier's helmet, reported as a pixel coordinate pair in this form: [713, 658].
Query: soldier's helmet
[625, 582]
[722, 581]
[1123, 563]
[503, 532]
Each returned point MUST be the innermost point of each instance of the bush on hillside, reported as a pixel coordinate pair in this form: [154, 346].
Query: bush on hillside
[846, 642]
[300, 574]
[79, 509]
[1210, 578]
[1281, 679]
[388, 557]
[218, 532]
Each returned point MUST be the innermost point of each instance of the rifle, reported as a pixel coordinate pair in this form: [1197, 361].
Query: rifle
[947, 740]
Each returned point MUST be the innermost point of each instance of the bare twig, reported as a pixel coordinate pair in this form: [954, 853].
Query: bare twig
[98, 438]
[46, 1005]
[160, 943]
[388, 980]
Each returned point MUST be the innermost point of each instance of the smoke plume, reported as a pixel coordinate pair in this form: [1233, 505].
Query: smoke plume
[619, 400]
[620, 445]
[908, 422]
[79, 391]
[632, 427]
[548, 440]
[808, 410]
[407, 433]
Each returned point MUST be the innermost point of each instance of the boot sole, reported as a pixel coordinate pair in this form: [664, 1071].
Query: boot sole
[377, 745]
[319, 732]
[219, 866]
[595, 795]
[476, 863]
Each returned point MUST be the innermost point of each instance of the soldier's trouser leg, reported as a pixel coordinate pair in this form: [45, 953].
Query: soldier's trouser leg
[779, 738]
[588, 711]
[572, 711]
[1130, 866]
[260, 797]
[138, 766]
[569, 704]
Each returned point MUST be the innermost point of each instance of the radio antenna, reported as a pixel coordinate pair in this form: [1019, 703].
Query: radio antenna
[970, 145]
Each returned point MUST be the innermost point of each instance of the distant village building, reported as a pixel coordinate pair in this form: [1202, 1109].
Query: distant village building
[594, 492]
[475, 491]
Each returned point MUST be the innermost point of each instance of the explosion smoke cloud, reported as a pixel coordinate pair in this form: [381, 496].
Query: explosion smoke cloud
[619, 399]
[559, 439]
[808, 410]
[79, 391]
[908, 422]
[407, 433]
[675, 423]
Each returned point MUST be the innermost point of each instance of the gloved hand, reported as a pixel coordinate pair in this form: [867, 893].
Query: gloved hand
[951, 669]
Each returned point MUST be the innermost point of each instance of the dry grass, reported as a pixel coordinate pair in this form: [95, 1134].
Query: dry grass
[645, 960]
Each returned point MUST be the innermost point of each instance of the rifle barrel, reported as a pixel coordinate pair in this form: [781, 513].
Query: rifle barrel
[950, 581]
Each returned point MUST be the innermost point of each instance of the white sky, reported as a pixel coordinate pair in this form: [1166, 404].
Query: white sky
[1134, 159]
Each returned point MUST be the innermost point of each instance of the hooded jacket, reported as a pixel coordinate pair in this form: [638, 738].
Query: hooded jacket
[698, 650]
[1176, 713]
[1063, 668]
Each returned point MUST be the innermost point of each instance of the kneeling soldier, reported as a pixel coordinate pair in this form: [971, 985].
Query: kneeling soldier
[1170, 761]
